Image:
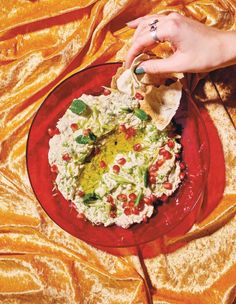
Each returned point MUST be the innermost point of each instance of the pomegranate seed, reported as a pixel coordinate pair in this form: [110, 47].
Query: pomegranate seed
[141, 205]
[182, 165]
[145, 219]
[81, 193]
[52, 132]
[130, 132]
[113, 214]
[86, 132]
[139, 96]
[102, 164]
[127, 211]
[152, 179]
[116, 169]
[125, 204]
[163, 198]
[171, 144]
[80, 216]
[132, 196]
[167, 185]
[66, 157]
[122, 128]
[137, 147]
[162, 151]
[147, 200]
[135, 211]
[153, 173]
[122, 197]
[54, 168]
[74, 127]
[121, 161]
[110, 199]
[160, 162]
[131, 203]
[177, 155]
[167, 155]
[106, 92]
[153, 168]
[182, 175]
[153, 198]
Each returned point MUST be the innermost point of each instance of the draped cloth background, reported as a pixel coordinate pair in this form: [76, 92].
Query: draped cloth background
[41, 43]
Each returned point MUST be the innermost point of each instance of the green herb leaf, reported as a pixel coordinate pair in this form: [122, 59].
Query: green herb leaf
[84, 140]
[141, 114]
[92, 136]
[78, 106]
[121, 180]
[145, 178]
[138, 199]
[90, 197]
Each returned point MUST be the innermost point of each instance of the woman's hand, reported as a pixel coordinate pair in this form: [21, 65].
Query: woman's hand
[197, 47]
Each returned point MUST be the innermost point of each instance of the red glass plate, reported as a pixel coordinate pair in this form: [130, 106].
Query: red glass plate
[185, 201]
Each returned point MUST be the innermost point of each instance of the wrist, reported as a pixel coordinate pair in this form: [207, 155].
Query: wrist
[226, 48]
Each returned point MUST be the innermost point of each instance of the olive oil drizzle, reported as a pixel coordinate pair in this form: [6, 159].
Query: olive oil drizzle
[113, 144]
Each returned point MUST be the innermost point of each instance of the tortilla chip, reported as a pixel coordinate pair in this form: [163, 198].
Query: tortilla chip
[161, 101]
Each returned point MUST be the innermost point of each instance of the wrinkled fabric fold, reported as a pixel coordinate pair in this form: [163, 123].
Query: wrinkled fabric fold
[42, 43]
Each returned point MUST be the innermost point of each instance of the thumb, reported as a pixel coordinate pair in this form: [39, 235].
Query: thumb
[167, 65]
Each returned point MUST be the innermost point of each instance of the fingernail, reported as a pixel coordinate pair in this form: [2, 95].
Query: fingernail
[130, 22]
[139, 70]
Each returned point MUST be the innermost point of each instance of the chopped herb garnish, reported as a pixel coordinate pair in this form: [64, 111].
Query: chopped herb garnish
[138, 199]
[145, 178]
[141, 114]
[90, 197]
[78, 106]
[81, 139]
[84, 140]
[92, 136]
[121, 180]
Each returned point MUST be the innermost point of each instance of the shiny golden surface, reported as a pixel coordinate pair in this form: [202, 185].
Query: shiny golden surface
[40, 263]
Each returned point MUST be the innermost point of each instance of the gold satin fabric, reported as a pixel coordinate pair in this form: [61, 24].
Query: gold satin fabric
[41, 43]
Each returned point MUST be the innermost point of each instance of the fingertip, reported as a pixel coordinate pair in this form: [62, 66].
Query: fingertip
[131, 24]
[139, 70]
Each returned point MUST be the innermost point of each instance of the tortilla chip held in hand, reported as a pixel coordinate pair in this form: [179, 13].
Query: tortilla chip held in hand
[161, 100]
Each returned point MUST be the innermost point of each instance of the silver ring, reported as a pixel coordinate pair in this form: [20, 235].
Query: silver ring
[154, 36]
[153, 32]
[154, 22]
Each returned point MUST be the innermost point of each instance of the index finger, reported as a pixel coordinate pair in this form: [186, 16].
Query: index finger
[135, 23]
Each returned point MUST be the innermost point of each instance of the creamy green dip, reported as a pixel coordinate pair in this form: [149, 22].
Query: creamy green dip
[112, 161]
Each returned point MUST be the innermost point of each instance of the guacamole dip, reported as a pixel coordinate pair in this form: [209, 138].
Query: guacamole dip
[111, 161]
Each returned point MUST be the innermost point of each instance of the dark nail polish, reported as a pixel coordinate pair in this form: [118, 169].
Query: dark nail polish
[139, 70]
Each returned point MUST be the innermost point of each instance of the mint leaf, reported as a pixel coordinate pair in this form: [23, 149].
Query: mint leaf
[78, 106]
[92, 136]
[141, 114]
[90, 197]
[81, 139]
